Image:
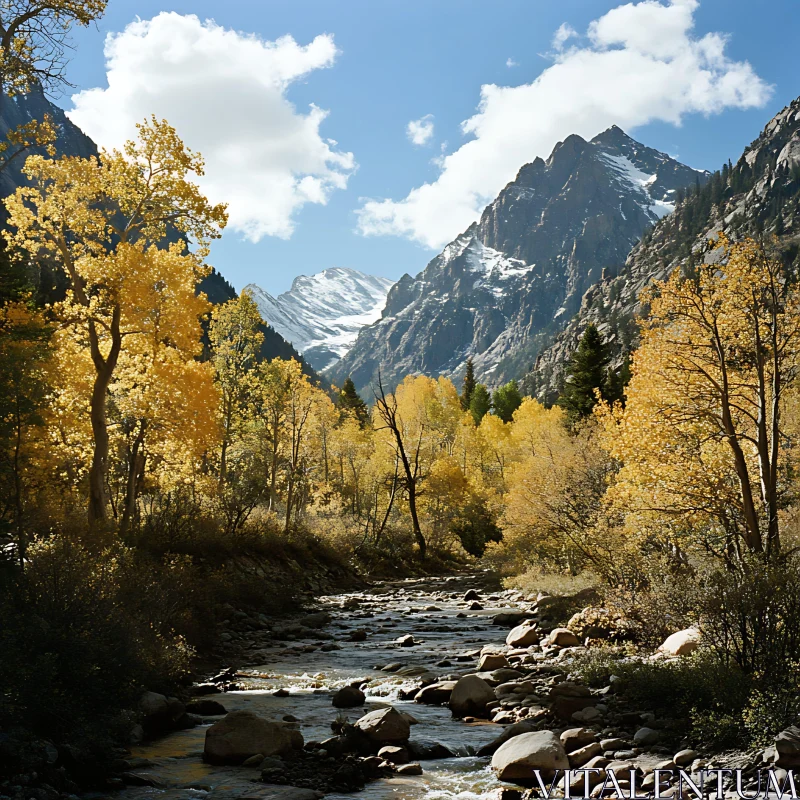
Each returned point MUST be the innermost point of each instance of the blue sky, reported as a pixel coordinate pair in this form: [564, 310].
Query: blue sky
[384, 64]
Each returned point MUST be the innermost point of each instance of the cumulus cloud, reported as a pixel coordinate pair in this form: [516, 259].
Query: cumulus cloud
[420, 131]
[511, 63]
[225, 93]
[638, 63]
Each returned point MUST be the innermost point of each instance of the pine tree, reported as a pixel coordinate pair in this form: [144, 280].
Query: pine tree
[506, 400]
[586, 374]
[480, 403]
[350, 400]
[469, 385]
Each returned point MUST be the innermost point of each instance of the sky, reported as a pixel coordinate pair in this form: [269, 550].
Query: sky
[369, 133]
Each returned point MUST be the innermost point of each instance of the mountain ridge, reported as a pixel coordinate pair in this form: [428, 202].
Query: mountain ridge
[500, 289]
[322, 313]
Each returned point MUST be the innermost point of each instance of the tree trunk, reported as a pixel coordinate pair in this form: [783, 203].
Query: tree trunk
[135, 473]
[104, 371]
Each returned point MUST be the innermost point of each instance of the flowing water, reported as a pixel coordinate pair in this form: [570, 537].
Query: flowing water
[426, 608]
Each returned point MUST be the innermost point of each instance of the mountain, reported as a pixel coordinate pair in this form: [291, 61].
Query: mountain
[219, 291]
[501, 290]
[322, 314]
[758, 196]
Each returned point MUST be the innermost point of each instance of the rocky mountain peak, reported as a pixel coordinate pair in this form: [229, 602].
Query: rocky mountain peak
[502, 287]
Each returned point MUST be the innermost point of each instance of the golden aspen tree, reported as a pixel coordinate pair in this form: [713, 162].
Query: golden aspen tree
[103, 220]
[702, 438]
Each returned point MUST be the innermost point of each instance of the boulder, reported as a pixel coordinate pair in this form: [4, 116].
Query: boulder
[406, 641]
[348, 697]
[576, 738]
[206, 708]
[243, 734]
[510, 619]
[394, 754]
[409, 769]
[471, 594]
[435, 693]
[681, 643]
[516, 729]
[563, 637]
[428, 750]
[316, 620]
[385, 725]
[517, 759]
[492, 661]
[577, 758]
[470, 696]
[523, 636]
[644, 737]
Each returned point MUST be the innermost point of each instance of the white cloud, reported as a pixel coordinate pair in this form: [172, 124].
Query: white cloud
[511, 63]
[562, 35]
[420, 131]
[225, 93]
[639, 63]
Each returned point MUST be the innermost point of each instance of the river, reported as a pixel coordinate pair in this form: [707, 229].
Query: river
[427, 608]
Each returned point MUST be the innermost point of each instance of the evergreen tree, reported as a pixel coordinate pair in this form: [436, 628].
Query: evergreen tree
[586, 373]
[480, 403]
[350, 400]
[506, 400]
[469, 386]
[616, 381]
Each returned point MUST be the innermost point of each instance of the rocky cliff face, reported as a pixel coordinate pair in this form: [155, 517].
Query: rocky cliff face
[511, 280]
[322, 314]
[759, 195]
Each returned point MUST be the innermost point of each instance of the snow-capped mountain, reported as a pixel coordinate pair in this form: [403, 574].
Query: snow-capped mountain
[505, 286]
[322, 314]
[758, 195]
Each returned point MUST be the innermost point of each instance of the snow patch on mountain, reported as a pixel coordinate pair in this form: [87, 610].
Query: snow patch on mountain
[322, 314]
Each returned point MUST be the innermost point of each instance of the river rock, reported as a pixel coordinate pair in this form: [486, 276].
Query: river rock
[406, 641]
[435, 693]
[409, 769]
[681, 643]
[428, 750]
[316, 620]
[206, 708]
[523, 636]
[470, 696]
[394, 754]
[645, 737]
[510, 619]
[563, 637]
[684, 758]
[516, 729]
[517, 759]
[492, 661]
[471, 594]
[385, 725]
[348, 697]
[243, 734]
[576, 738]
[577, 758]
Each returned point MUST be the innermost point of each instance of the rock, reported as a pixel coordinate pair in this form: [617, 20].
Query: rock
[394, 754]
[588, 714]
[385, 725]
[409, 769]
[205, 688]
[681, 643]
[254, 761]
[579, 757]
[786, 750]
[523, 636]
[475, 606]
[609, 745]
[243, 734]
[471, 695]
[152, 704]
[316, 620]
[563, 637]
[492, 661]
[576, 738]
[406, 641]
[272, 792]
[472, 594]
[565, 707]
[511, 619]
[435, 693]
[358, 635]
[684, 757]
[428, 750]
[516, 729]
[206, 708]
[516, 760]
[348, 697]
[645, 737]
